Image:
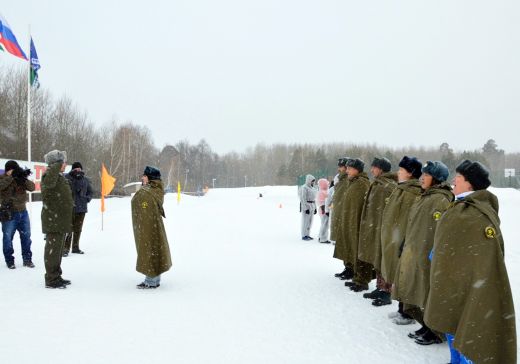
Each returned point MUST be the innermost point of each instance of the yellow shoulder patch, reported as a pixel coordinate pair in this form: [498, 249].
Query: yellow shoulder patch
[490, 232]
[437, 215]
[144, 205]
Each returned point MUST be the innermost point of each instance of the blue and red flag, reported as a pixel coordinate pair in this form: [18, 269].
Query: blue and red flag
[8, 42]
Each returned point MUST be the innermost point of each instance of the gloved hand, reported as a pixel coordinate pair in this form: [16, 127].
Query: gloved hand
[315, 211]
[322, 208]
[327, 214]
[307, 211]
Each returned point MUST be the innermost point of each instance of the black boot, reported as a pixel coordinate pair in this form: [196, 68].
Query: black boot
[419, 333]
[384, 299]
[376, 293]
[337, 275]
[428, 338]
[359, 287]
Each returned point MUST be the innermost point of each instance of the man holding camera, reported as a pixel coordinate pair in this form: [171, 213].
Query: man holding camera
[13, 196]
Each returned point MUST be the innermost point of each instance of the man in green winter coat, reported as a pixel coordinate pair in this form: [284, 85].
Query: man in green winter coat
[358, 185]
[412, 282]
[153, 251]
[393, 229]
[337, 226]
[470, 295]
[56, 216]
[369, 250]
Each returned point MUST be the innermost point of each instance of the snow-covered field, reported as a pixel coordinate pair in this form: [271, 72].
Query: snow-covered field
[243, 289]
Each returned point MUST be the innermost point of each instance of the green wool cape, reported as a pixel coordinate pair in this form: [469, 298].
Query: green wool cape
[470, 295]
[338, 203]
[393, 225]
[153, 251]
[412, 282]
[347, 243]
[369, 249]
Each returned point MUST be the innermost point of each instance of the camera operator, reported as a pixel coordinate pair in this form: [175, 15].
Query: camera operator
[13, 195]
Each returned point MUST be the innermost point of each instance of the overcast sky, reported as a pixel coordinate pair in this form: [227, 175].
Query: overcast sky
[239, 72]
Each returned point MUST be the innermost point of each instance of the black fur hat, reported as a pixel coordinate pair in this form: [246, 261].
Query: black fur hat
[475, 173]
[382, 163]
[342, 162]
[356, 163]
[10, 165]
[437, 170]
[152, 173]
[77, 165]
[412, 165]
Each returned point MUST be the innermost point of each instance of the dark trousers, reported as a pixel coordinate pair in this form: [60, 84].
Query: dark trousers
[52, 257]
[362, 273]
[77, 227]
[19, 222]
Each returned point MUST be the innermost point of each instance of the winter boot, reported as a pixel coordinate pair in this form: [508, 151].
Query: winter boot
[373, 295]
[337, 275]
[349, 284]
[384, 299]
[146, 286]
[58, 285]
[402, 320]
[359, 287]
[78, 251]
[348, 273]
[11, 265]
[65, 282]
[428, 338]
[419, 333]
[28, 263]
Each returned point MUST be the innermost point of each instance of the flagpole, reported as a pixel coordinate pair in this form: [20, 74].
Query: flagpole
[29, 113]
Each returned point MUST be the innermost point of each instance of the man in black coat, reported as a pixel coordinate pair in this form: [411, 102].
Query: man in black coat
[82, 194]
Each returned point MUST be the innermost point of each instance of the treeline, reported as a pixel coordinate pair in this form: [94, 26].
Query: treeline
[126, 148]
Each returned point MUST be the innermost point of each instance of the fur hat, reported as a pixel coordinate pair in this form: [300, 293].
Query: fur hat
[342, 162]
[55, 156]
[382, 163]
[475, 173]
[437, 170]
[412, 165]
[77, 165]
[10, 165]
[152, 173]
[356, 163]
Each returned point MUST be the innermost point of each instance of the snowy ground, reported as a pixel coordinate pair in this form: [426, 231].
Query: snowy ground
[243, 289]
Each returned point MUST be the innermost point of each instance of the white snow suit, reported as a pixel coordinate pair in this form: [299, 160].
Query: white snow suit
[307, 199]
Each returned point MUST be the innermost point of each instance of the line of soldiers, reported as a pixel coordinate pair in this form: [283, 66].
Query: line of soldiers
[438, 251]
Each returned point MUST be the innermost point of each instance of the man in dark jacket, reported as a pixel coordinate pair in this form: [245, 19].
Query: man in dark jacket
[153, 251]
[13, 196]
[56, 216]
[82, 194]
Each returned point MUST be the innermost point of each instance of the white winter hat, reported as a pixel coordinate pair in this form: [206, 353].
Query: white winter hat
[55, 156]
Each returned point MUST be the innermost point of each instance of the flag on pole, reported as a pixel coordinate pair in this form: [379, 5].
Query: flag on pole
[8, 42]
[178, 192]
[107, 185]
[35, 66]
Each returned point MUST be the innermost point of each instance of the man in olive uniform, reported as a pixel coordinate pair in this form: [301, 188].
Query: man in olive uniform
[337, 225]
[56, 216]
[358, 185]
[393, 229]
[153, 251]
[470, 295]
[369, 250]
[13, 195]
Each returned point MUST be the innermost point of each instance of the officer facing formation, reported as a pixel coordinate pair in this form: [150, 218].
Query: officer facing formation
[153, 251]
